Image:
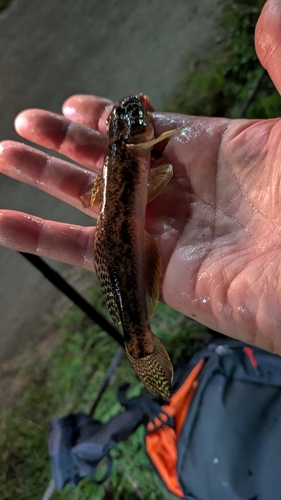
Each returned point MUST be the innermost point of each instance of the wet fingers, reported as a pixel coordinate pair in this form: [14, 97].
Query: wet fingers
[59, 241]
[78, 142]
[59, 178]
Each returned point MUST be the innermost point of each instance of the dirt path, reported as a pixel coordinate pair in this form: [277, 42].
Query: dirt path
[50, 50]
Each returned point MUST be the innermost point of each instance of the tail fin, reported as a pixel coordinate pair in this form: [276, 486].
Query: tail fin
[155, 370]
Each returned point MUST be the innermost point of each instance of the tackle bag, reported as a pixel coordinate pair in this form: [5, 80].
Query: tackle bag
[219, 439]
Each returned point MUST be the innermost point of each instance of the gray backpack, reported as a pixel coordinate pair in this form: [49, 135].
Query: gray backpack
[219, 439]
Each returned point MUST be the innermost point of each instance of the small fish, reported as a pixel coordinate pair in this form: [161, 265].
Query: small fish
[126, 257]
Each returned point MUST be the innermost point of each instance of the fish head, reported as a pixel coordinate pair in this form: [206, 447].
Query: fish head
[129, 121]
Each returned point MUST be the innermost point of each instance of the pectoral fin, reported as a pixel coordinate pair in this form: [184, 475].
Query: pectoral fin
[158, 179]
[152, 273]
[93, 191]
[145, 146]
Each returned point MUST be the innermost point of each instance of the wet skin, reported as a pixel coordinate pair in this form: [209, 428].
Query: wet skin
[217, 223]
[126, 258]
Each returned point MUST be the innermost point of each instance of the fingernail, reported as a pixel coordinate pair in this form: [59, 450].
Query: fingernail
[69, 112]
[21, 123]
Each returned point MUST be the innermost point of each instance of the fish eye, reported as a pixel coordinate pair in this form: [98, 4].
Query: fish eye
[132, 109]
[121, 113]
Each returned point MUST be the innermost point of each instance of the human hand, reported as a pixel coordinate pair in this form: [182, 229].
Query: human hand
[217, 223]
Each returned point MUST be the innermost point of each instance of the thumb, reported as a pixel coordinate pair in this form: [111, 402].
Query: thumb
[268, 40]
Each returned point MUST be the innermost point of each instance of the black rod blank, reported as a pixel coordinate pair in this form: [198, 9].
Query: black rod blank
[59, 282]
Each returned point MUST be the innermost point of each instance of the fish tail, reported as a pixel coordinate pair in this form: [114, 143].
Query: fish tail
[154, 370]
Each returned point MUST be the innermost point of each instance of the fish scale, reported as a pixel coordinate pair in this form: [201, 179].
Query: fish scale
[127, 259]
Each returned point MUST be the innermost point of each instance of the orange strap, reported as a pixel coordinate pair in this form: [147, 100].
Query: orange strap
[161, 444]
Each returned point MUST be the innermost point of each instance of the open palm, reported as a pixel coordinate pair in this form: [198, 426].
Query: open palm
[218, 222]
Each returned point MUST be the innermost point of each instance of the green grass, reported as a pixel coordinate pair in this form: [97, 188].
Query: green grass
[221, 84]
[66, 377]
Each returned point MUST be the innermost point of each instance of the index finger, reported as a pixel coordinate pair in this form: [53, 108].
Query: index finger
[87, 110]
[52, 131]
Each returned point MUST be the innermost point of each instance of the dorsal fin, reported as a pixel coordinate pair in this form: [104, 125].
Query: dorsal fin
[101, 268]
[152, 273]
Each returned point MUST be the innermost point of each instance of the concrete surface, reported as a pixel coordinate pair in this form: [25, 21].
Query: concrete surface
[50, 50]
